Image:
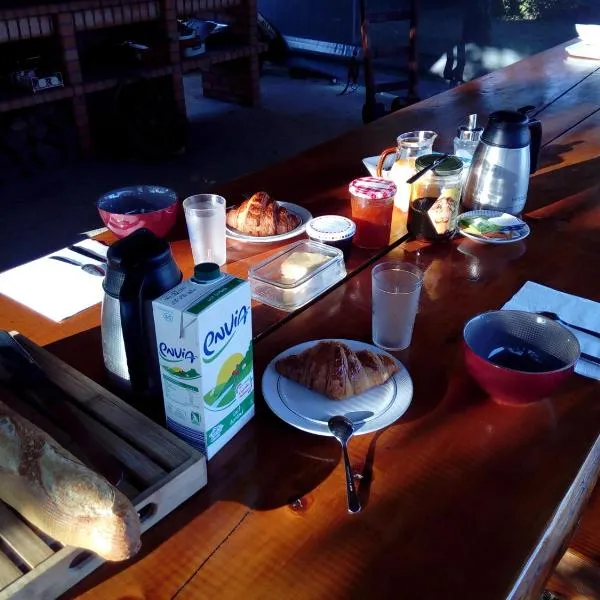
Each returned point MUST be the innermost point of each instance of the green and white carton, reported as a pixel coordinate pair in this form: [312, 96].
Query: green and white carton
[204, 340]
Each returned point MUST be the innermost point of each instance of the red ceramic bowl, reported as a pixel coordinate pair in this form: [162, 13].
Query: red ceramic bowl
[130, 208]
[518, 357]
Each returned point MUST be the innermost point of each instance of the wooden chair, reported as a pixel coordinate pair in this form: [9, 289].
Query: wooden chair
[406, 52]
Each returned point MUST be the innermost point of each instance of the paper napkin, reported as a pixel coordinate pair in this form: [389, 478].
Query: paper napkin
[55, 289]
[534, 297]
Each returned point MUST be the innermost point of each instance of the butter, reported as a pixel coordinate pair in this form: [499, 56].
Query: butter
[299, 264]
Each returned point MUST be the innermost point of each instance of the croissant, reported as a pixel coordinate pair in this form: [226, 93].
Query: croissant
[260, 215]
[337, 371]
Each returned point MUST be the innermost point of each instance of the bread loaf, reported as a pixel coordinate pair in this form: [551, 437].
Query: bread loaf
[58, 494]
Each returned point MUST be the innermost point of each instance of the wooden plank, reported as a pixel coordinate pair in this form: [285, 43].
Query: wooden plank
[21, 538]
[8, 571]
[575, 577]
[155, 491]
[107, 408]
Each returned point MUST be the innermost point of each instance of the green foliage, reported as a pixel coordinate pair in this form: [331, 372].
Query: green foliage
[536, 9]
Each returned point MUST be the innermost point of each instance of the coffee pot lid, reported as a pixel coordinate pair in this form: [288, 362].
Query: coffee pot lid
[141, 252]
[507, 129]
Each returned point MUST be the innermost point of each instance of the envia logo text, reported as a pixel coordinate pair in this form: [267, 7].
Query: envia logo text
[222, 336]
[173, 354]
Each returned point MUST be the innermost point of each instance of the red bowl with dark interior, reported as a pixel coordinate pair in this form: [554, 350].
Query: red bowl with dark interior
[130, 208]
[519, 357]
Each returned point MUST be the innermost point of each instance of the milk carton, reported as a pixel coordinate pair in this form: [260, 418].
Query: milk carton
[204, 340]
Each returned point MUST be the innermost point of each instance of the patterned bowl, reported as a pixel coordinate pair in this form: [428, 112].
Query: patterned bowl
[130, 208]
[518, 357]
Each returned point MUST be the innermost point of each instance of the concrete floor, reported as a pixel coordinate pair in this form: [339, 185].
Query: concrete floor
[52, 209]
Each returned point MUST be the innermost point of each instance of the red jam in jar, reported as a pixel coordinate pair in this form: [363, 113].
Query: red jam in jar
[372, 209]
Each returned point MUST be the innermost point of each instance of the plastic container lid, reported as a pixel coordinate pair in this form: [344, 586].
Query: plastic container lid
[449, 166]
[300, 272]
[330, 228]
[372, 188]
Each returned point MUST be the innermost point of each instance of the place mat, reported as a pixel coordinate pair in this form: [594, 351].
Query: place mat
[534, 297]
[55, 289]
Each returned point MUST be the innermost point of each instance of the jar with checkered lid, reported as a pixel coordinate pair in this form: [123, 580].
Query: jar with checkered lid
[372, 201]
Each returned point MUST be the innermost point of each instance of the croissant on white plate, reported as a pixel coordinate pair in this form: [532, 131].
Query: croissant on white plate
[336, 371]
[261, 216]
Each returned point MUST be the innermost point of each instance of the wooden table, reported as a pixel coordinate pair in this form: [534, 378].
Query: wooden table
[463, 498]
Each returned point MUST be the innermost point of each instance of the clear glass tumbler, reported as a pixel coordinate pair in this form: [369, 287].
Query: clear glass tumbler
[396, 291]
[205, 219]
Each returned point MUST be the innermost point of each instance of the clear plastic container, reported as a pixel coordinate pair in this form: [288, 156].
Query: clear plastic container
[296, 275]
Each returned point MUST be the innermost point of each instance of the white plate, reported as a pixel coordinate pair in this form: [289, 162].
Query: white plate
[299, 211]
[521, 234]
[309, 411]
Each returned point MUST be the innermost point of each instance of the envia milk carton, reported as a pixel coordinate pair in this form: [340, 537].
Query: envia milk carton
[204, 339]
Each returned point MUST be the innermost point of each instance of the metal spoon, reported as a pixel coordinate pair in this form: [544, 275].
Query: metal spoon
[555, 317]
[88, 267]
[342, 430]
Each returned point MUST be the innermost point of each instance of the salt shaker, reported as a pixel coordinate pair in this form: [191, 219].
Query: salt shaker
[465, 142]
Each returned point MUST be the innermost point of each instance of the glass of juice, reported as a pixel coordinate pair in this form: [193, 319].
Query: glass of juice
[372, 209]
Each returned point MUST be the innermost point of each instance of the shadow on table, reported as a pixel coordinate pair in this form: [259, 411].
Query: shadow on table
[560, 185]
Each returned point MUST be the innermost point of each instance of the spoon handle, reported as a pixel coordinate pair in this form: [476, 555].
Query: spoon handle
[353, 501]
[582, 329]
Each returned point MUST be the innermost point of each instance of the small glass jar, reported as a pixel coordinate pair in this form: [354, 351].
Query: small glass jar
[372, 210]
[435, 198]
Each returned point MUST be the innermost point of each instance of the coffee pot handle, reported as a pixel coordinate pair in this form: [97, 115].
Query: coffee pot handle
[382, 157]
[131, 300]
[535, 130]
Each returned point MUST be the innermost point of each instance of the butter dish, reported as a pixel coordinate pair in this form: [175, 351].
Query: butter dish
[299, 273]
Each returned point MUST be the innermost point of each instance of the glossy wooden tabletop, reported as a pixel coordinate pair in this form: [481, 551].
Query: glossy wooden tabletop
[462, 496]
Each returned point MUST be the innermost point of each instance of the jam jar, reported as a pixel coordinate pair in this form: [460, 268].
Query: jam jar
[372, 210]
[435, 199]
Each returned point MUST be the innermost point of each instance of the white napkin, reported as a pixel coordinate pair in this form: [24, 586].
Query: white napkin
[534, 297]
[55, 289]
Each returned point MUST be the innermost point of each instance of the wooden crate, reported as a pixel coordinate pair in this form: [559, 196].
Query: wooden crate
[161, 472]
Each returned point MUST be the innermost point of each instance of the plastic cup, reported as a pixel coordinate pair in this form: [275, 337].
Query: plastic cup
[396, 291]
[205, 219]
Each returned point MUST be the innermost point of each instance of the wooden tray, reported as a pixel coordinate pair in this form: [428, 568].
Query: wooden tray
[161, 472]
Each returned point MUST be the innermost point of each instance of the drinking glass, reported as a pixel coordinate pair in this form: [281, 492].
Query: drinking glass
[396, 291]
[205, 219]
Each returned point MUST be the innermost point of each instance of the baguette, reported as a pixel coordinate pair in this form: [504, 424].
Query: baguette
[59, 495]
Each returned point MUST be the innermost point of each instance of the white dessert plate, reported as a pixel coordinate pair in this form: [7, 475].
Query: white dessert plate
[301, 212]
[309, 411]
[492, 221]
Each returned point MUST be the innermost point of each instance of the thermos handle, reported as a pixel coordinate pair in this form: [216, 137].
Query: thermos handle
[131, 300]
[535, 130]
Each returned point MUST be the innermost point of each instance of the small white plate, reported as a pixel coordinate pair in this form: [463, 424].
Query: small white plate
[519, 234]
[371, 165]
[309, 411]
[299, 211]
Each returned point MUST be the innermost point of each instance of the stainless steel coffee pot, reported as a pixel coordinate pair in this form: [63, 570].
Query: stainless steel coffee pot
[504, 159]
